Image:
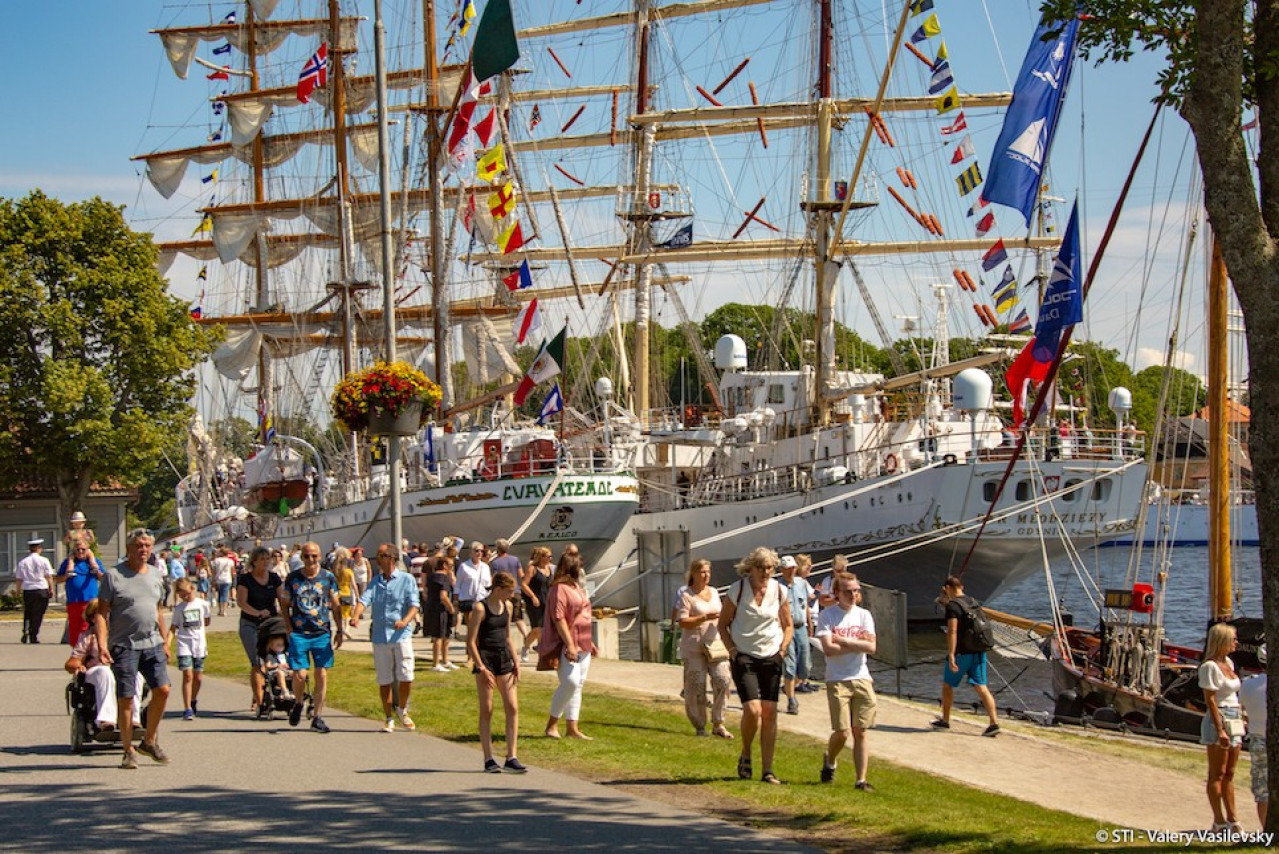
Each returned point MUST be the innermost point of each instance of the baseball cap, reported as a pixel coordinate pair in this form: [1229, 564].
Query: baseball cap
[787, 562]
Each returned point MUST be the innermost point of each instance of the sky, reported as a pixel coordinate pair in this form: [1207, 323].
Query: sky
[88, 87]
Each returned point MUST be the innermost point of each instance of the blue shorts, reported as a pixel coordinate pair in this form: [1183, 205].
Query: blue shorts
[224, 593]
[796, 663]
[128, 664]
[304, 650]
[187, 662]
[971, 664]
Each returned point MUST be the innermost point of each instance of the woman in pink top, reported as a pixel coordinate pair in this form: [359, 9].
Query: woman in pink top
[568, 624]
[697, 613]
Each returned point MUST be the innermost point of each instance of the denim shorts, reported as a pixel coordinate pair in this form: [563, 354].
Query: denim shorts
[304, 650]
[129, 663]
[188, 662]
[796, 663]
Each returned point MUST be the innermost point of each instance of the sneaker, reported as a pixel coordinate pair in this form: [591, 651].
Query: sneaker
[514, 766]
[441, 668]
[491, 767]
[451, 666]
[389, 726]
[319, 725]
[405, 720]
[991, 731]
[130, 761]
[188, 715]
[863, 786]
[295, 714]
[524, 656]
[828, 773]
[154, 751]
[938, 723]
[792, 706]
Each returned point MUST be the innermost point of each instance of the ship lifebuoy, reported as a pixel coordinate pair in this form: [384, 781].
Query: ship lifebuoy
[950, 459]
[890, 464]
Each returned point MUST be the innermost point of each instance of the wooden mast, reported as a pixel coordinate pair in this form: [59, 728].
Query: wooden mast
[825, 273]
[265, 395]
[1218, 438]
[640, 225]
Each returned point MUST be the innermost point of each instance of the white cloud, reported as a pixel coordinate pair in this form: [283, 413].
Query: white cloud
[1149, 356]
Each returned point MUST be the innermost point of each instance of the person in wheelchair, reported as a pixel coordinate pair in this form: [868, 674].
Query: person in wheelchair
[85, 664]
[273, 645]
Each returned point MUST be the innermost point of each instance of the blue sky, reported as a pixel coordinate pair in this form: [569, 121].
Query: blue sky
[89, 87]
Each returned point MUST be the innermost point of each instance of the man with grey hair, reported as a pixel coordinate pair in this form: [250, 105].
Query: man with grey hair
[510, 564]
[392, 599]
[134, 640]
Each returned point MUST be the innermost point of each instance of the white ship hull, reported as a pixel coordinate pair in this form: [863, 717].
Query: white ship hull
[899, 525]
[590, 510]
[1187, 525]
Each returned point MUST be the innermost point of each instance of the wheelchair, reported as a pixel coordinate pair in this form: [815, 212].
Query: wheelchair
[82, 706]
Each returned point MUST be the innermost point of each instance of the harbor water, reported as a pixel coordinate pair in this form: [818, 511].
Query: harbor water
[1024, 681]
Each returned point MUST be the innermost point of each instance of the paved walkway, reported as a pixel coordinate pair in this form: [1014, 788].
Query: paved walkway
[282, 789]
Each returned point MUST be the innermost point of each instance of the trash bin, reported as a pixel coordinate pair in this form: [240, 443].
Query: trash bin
[670, 641]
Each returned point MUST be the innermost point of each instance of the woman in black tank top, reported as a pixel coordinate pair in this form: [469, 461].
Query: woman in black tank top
[488, 641]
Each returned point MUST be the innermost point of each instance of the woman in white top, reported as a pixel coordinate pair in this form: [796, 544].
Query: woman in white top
[755, 625]
[697, 612]
[1222, 729]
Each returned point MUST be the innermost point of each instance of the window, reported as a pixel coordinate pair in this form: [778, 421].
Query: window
[776, 393]
[1101, 490]
[1070, 496]
[988, 491]
[1023, 490]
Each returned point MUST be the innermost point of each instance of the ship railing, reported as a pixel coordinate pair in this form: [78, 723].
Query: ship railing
[1048, 443]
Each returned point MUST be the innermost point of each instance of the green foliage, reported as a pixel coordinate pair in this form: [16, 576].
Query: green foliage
[1100, 370]
[99, 359]
[1186, 394]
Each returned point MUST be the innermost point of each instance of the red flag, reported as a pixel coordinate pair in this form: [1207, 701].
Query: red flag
[221, 74]
[511, 239]
[1024, 368]
[466, 110]
[994, 256]
[960, 124]
[527, 323]
[484, 127]
[964, 150]
[986, 223]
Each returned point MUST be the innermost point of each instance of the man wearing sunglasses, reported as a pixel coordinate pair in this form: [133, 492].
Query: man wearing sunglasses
[847, 635]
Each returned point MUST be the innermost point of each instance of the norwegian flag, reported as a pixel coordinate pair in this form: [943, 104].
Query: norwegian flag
[315, 74]
[528, 323]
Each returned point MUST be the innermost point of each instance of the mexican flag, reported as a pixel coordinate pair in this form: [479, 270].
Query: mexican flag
[549, 363]
[495, 47]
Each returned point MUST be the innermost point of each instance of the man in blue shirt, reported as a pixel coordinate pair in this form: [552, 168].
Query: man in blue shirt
[177, 569]
[80, 573]
[393, 595]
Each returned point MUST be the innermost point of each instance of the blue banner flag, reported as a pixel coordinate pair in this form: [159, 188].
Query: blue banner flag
[554, 403]
[222, 51]
[1063, 303]
[681, 238]
[1040, 91]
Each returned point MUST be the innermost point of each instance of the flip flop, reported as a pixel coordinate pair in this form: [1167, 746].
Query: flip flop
[770, 778]
[744, 767]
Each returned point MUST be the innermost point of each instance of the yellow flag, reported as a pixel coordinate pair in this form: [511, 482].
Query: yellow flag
[492, 164]
[941, 51]
[205, 226]
[949, 100]
[932, 26]
[969, 179]
[502, 201]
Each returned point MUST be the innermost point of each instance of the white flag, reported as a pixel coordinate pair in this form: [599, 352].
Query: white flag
[528, 323]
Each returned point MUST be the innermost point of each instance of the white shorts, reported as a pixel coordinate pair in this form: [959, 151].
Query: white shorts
[393, 661]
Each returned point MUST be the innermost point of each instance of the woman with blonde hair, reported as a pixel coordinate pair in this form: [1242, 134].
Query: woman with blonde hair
[755, 625]
[535, 584]
[1222, 729]
[345, 576]
[703, 654]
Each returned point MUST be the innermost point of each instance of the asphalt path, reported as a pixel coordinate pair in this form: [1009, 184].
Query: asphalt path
[234, 782]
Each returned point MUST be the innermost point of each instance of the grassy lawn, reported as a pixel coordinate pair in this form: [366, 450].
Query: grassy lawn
[643, 745]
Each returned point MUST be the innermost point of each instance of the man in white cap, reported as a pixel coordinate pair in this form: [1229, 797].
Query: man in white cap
[35, 574]
[798, 593]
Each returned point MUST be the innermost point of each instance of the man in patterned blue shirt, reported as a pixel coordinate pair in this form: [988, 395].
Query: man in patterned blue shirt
[309, 602]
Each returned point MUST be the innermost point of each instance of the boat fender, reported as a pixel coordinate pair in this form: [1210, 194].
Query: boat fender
[890, 464]
[949, 459]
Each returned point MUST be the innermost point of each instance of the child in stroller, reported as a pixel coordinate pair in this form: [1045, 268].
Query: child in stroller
[273, 643]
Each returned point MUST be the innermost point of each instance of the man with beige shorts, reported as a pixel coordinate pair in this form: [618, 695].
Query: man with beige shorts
[846, 632]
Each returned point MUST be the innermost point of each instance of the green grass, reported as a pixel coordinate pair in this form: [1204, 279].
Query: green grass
[645, 745]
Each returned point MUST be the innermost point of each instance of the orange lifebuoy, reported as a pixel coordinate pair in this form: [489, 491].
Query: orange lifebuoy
[890, 464]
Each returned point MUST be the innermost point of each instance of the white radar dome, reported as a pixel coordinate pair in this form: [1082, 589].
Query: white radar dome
[1119, 400]
[730, 353]
[972, 390]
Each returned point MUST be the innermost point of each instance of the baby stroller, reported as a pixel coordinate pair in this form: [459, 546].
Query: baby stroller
[274, 697]
[82, 706]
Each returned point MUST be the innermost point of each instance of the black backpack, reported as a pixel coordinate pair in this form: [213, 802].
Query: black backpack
[975, 630]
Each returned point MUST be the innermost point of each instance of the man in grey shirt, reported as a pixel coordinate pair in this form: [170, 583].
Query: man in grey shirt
[133, 638]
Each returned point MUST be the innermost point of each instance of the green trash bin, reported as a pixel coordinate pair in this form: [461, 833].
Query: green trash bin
[670, 638]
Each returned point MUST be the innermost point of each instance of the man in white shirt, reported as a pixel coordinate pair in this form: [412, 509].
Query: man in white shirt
[847, 635]
[474, 578]
[1252, 695]
[34, 574]
[223, 576]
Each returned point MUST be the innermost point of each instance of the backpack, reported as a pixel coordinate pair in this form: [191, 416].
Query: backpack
[975, 630]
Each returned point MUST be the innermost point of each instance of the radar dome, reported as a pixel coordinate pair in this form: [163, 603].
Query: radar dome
[730, 353]
[972, 390]
[1120, 399]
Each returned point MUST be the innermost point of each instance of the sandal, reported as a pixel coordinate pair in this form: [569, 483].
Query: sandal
[722, 731]
[771, 778]
[744, 768]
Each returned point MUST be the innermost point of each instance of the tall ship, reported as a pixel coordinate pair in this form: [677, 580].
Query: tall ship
[809, 158]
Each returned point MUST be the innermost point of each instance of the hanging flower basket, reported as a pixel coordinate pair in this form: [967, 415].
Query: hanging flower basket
[386, 399]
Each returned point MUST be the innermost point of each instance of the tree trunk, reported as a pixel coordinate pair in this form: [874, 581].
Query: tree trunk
[1244, 223]
[73, 489]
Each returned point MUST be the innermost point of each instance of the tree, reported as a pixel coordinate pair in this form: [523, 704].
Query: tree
[1223, 55]
[99, 359]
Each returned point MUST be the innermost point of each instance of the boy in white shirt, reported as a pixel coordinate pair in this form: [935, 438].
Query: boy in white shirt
[847, 635]
[190, 617]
